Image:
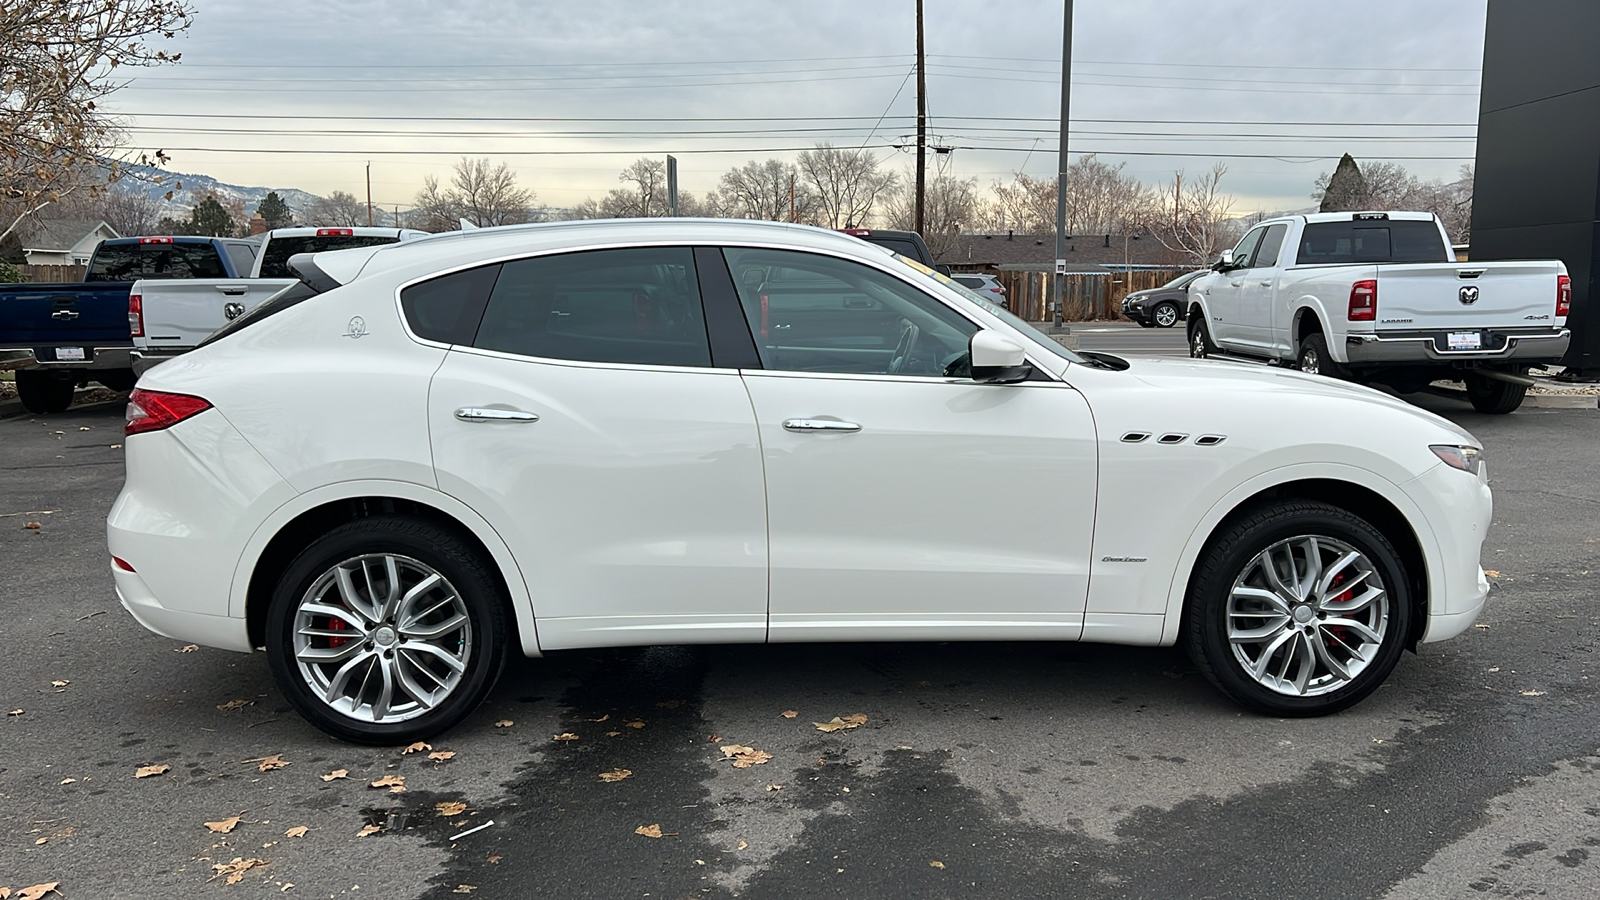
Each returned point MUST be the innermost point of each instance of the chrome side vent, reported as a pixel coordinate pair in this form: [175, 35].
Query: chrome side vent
[1210, 440]
[1134, 437]
[1172, 438]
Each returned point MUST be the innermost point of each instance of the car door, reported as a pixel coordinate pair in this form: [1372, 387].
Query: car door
[904, 500]
[1257, 292]
[586, 420]
[1223, 294]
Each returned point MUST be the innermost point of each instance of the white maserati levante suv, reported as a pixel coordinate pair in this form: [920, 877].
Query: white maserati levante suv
[690, 431]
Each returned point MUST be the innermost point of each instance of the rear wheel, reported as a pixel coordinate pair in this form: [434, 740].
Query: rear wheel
[1298, 609]
[1200, 345]
[1314, 359]
[44, 392]
[1493, 396]
[1165, 315]
[387, 630]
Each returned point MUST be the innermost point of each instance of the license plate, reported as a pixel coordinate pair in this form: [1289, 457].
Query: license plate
[69, 354]
[1465, 340]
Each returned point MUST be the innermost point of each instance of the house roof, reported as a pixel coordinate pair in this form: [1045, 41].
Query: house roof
[1037, 252]
[58, 234]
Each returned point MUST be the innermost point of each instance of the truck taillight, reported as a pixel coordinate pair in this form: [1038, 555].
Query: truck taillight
[1563, 295]
[325, 232]
[162, 240]
[136, 315]
[1364, 301]
[155, 410]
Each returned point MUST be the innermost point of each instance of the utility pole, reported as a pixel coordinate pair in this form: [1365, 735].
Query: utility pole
[1061, 176]
[369, 193]
[922, 117]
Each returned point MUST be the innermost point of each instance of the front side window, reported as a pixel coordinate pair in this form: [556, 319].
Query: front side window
[812, 313]
[1247, 248]
[637, 305]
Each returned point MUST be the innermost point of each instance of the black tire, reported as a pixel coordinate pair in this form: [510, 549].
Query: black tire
[1200, 344]
[1313, 358]
[1492, 396]
[1145, 323]
[482, 641]
[43, 392]
[1233, 557]
[1167, 311]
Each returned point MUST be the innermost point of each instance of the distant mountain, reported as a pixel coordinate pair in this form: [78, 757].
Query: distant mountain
[194, 188]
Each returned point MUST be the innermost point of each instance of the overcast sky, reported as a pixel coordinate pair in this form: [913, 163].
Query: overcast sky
[414, 84]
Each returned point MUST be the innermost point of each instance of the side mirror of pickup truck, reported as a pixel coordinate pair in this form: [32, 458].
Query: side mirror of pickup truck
[1224, 262]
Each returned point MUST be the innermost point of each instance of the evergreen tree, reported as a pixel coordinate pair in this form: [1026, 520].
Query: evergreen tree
[211, 219]
[169, 225]
[276, 212]
[1347, 188]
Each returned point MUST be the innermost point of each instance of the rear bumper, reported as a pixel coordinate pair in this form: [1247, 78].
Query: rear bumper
[93, 358]
[224, 632]
[1527, 346]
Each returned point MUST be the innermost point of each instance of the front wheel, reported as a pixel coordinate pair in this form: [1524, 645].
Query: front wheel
[1493, 396]
[1165, 315]
[387, 630]
[1298, 609]
[1200, 345]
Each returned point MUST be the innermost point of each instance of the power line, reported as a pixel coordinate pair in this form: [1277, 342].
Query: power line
[383, 118]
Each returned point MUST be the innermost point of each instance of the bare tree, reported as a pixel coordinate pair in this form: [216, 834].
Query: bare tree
[950, 206]
[57, 62]
[1191, 217]
[645, 196]
[129, 210]
[1386, 185]
[1101, 199]
[847, 184]
[762, 190]
[434, 209]
[338, 208]
[488, 195]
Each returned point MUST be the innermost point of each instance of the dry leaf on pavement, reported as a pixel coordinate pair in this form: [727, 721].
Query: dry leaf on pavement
[616, 774]
[395, 783]
[743, 845]
[936, 864]
[789, 714]
[224, 826]
[650, 831]
[634, 723]
[232, 705]
[504, 723]
[464, 889]
[14, 712]
[235, 870]
[335, 774]
[744, 757]
[670, 704]
[418, 747]
[32, 526]
[147, 771]
[602, 718]
[268, 763]
[442, 755]
[774, 787]
[854, 720]
[448, 808]
[368, 829]
[565, 736]
[187, 648]
[297, 831]
[61, 682]
[63, 781]
[34, 892]
[1531, 693]
[1491, 573]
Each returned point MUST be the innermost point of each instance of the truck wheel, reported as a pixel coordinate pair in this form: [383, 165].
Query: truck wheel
[1200, 345]
[1314, 358]
[1165, 315]
[44, 392]
[1490, 395]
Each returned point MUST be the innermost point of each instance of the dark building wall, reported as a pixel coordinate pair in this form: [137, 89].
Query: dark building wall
[1536, 193]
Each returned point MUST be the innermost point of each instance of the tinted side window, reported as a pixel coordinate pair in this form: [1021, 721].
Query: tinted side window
[448, 308]
[243, 257]
[638, 305]
[1267, 253]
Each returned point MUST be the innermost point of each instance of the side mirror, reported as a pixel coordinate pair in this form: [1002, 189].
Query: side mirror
[997, 359]
[1224, 262]
[942, 269]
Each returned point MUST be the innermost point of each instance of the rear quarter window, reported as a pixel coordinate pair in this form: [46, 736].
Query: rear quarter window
[448, 308]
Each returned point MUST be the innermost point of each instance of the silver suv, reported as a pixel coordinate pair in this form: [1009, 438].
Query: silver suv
[987, 286]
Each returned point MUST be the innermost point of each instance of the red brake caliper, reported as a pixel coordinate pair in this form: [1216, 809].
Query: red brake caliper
[335, 643]
[1339, 631]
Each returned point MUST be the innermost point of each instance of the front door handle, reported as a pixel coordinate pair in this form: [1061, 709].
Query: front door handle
[1237, 283]
[482, 414]
[804, 426]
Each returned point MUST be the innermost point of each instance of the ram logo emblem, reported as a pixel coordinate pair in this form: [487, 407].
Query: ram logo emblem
[1469, 295]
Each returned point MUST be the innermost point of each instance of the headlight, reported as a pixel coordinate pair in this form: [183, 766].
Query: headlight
[1467, 459]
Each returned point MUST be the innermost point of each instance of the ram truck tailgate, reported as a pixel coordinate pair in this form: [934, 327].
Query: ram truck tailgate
[1464, 298]
[179, 313]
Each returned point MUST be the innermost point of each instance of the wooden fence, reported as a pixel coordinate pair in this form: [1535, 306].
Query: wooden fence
[51, 274]
[1089, 295]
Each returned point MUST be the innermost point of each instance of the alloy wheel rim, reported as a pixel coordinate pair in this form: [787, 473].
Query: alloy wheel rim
[1166, 316]
[1307, 615]
[1308, 361]
[1197, 347]
[382, 638]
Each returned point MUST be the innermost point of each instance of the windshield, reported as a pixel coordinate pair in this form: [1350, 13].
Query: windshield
[1026, 329]
[1184, 279]
[275, 259]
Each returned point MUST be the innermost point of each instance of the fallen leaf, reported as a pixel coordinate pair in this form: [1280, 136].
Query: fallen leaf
[1491, 573]
[5, 892]
[464, 889]
[395, 783]
[1482, 625]
[335, 774]
[187, 648]
[235, 870]
[774, 787]
[297, 831]
[14, 712]
[1494, 668]
[743, 845]
[147, 771]
[32, 526]
[36, 891]
[936, 864]
[744, 757]
[602, 718]
[564, 737]
[448, 808]
[224, 826]
[116, 446]
[504, 723]
[612, 733]
[63, 781]
[649, 831]
[368, 829]
[232, 705]
[1531, 693]
[442, 755]
[854, 720]
[713, 738]
[634, 723]
[670, 704]
[275, 761]
[788, 714]
[43, 840]
[418, 747]
[616, 775]
[83, 428]
[492, 860]
[60, 683]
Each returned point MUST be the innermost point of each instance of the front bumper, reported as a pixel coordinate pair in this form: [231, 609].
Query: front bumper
[1458, 508]
[1415, 347]
[93, 357]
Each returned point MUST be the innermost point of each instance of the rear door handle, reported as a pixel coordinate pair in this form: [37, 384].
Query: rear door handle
[1267, 283]
[803, 426]
[482, 414]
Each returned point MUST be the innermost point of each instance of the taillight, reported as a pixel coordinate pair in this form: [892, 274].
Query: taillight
[1364, 301]
[136, 315]
[325, 232]
[155, 410]
[155, 240]
[997, 290]
[121, 563]
[1563, 295]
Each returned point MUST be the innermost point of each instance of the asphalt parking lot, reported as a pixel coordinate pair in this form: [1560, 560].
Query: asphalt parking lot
[980, 770]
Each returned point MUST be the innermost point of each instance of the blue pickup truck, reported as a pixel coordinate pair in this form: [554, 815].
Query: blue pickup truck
[59, 336]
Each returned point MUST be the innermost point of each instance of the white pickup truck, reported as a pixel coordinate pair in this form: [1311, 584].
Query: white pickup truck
[169, 316]
[1378, 297]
